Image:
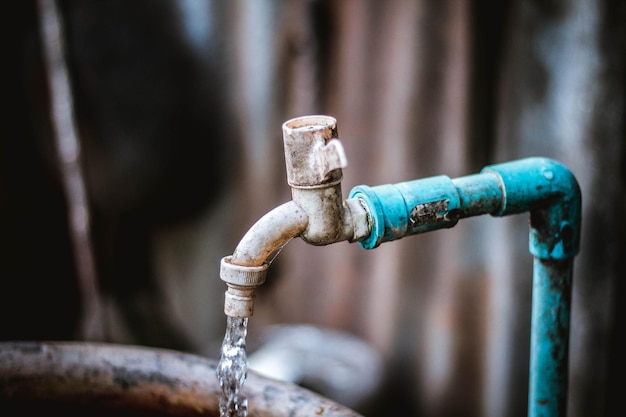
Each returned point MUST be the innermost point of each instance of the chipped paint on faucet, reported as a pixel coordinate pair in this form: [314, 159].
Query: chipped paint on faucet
[373, 215]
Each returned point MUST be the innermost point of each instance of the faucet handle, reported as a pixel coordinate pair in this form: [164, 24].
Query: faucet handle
[331, 157]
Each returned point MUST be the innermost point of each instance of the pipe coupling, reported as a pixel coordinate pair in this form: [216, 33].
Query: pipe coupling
[241, 281]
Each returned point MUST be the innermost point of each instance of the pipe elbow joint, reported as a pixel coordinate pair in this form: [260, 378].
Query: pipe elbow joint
[550, 192]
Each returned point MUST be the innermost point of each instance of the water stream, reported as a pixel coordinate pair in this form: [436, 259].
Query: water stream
[232, 368]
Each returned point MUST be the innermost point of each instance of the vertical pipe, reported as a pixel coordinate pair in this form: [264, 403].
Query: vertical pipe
[552, 284]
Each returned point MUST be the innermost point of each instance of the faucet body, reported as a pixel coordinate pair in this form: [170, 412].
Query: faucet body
[373, 215]
[317, 212]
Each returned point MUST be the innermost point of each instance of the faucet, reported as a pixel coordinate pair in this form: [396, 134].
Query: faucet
[314, 157]
[371, 216]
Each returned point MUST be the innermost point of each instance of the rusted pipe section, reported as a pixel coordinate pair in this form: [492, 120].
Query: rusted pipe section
[317, 212]
[85, 378]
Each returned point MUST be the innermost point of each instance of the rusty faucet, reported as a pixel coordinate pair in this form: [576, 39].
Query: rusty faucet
[317, 212]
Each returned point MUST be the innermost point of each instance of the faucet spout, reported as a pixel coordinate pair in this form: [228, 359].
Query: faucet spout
[269, 234]
[246, 268]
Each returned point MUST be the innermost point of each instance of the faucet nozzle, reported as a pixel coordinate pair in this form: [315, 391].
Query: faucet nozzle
[241, 281]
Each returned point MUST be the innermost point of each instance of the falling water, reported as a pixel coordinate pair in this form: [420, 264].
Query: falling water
[232, 368]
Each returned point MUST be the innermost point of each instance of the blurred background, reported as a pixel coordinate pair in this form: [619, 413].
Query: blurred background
[173, 124]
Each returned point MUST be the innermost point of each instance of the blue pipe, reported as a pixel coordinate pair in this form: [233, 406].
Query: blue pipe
[541, 186]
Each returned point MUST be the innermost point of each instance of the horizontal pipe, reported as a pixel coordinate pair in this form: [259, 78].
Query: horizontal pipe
[92, 378]
[423, 205]
[478, 194]
[408, 208]
[541, 186]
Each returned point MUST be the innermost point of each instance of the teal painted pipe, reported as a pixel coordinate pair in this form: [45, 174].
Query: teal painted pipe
[550, 193]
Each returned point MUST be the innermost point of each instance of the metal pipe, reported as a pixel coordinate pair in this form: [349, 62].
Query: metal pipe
[83, 378]
[549, 338]
[541, 186]
[551, 193]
